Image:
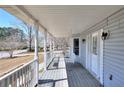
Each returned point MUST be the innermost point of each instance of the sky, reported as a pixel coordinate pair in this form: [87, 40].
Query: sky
[6, 19]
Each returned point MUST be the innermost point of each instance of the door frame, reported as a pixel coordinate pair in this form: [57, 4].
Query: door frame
[88, 50]
[95, 65]
[100, 54]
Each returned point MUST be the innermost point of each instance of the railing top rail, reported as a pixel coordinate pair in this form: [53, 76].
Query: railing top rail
[22, 66]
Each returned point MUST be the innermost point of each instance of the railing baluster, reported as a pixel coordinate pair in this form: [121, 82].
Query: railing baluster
[12, 83]
[24, 77]
[27, 76]
[20, 77]
[18, 81]
[5, 82]
[9, 81]
[12, 80]
[15, 79]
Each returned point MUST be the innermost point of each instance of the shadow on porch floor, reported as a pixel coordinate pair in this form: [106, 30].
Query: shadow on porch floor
[63, 73]
[55, 75]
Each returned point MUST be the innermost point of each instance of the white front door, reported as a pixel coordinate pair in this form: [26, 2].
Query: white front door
[88, 48]
[94, 53]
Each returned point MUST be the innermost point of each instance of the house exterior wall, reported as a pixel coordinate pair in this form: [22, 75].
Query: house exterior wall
[83, 51]
[113, 49]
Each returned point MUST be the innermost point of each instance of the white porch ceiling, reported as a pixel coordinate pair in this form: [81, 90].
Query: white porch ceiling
[65, 20]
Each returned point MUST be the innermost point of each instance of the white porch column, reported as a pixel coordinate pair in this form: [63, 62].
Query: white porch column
[36, 50]
[53, 45]
[45, 50]
[50, 44]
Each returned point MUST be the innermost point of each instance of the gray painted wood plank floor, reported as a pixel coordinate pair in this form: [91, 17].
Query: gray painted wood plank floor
[78, 76]
[63, 73]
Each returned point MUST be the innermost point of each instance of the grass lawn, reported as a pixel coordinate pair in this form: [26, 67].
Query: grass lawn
[8, 64]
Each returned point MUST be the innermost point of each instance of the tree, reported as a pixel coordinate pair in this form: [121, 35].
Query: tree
[28, 31]
[4, 32]
[11, 43]
[7, 31]
[11, 39]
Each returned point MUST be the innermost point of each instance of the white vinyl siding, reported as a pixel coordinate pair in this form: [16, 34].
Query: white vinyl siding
[113, 48]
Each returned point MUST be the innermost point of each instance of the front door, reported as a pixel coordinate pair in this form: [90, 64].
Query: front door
[94, 53]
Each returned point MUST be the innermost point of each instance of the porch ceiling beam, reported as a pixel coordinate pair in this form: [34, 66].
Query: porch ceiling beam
[22, 9]
[30, 15]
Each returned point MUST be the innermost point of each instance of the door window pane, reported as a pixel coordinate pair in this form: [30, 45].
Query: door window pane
[76, 46]
[95, 45]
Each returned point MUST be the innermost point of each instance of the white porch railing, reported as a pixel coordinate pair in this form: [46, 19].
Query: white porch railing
[50, 56]
[23, 76]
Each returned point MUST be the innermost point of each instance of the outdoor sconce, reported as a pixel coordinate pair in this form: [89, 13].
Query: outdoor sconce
[105, 35]
[83, 40]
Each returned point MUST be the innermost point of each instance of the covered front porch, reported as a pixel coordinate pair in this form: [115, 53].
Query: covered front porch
[74, 47]
[62, 72]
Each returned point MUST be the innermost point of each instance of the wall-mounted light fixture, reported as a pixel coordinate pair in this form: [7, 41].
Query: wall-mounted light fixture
[83, 40]
[105, 35]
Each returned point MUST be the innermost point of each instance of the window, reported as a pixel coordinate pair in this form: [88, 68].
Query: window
[95, 45]
[76, 46]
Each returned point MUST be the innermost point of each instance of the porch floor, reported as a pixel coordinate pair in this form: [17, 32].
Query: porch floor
[78, 76]
[63, 73]
[55, 75]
